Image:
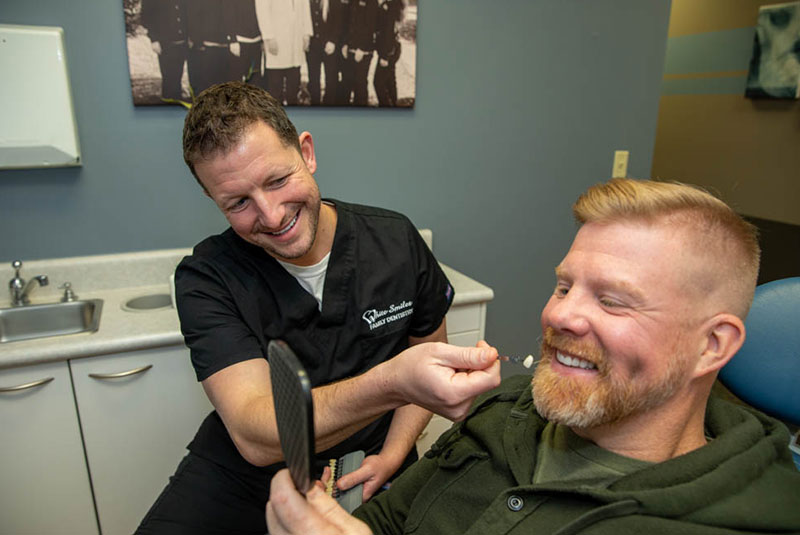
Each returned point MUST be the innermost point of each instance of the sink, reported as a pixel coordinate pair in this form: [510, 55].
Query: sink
[54, 319]
[148, 302]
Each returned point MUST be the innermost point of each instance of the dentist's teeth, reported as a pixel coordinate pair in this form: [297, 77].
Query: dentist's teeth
[574, 362]
[288, 227]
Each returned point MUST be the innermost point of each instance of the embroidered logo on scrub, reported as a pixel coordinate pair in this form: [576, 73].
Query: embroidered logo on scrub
[378, 318]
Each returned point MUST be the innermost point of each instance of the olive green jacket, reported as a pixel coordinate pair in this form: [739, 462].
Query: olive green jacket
[477, 478]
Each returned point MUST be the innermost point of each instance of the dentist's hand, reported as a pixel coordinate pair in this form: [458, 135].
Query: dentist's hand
[441, 377]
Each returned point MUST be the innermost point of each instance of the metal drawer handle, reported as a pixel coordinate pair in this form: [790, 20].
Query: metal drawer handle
[120, 374]
[26, 386]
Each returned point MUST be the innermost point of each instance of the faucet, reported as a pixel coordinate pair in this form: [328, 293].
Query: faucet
[19, 289]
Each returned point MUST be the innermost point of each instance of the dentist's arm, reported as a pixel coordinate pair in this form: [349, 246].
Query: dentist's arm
[436, 376]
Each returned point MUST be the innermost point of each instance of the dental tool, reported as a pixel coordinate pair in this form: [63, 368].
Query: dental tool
[525, 361]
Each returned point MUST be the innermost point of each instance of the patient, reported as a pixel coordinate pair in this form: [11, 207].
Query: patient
[616, 432]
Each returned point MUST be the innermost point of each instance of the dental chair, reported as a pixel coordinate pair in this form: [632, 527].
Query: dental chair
[765, 373]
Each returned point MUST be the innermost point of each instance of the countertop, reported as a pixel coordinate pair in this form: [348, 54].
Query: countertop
[118, 278]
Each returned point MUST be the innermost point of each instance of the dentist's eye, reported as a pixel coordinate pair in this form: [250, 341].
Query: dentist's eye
[238, 205]
[277, 183]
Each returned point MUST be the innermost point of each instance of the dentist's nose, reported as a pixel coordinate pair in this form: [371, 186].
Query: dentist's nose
[270, 213]
[567, 313]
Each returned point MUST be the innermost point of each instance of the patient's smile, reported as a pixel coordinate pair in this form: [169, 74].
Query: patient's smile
[574, 362]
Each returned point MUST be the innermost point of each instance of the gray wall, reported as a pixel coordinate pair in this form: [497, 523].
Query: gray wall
[520, 105]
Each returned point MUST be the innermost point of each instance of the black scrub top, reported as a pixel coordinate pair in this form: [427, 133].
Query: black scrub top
[382, 286]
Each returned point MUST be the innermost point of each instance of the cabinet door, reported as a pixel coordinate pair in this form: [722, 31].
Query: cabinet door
[466, 324]
[136, 427]
[44, 485]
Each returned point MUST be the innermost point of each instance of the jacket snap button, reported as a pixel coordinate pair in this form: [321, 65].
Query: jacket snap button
[515, 503]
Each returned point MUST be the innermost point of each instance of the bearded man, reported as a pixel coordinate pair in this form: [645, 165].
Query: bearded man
[616, 433]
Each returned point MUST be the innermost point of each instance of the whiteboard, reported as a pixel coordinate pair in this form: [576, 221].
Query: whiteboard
[37, 120]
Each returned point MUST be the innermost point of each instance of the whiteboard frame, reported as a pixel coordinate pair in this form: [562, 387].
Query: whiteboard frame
[38, 127]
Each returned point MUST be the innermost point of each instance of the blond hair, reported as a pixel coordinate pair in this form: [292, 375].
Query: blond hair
[712, 228]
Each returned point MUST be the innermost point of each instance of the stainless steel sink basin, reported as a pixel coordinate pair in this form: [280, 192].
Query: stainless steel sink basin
[148, 302]
[54, 319]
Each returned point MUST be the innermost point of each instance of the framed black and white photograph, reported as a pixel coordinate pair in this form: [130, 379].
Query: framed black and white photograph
[304, 52]
[775, 64]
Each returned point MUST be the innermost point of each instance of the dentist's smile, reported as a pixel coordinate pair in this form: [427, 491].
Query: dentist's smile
[287, 228]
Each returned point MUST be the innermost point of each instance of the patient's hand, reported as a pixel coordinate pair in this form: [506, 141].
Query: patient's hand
[288, 512]
[374, 471]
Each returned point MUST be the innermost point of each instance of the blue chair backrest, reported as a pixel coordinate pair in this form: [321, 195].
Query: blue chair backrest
[765, 373]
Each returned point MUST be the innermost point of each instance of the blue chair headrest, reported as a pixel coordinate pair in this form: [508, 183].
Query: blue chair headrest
[765, 373]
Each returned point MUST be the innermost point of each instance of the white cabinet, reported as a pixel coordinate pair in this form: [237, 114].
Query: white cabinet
[138, 410]
[45, 486]
[466, 323]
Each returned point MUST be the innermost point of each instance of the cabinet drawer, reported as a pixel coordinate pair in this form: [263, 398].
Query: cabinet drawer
[464, 318]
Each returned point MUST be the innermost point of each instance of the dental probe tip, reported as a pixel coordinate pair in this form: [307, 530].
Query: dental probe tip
[527, 361]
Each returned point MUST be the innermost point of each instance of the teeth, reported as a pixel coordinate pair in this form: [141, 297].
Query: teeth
[287, 228]
[574, 362]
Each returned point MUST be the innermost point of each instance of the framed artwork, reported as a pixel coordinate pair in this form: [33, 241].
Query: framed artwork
[304, 52]
[775, 65]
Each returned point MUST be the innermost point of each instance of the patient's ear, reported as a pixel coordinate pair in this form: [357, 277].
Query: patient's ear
[724, 335]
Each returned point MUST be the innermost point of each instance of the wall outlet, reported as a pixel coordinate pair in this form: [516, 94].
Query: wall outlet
[620, 168]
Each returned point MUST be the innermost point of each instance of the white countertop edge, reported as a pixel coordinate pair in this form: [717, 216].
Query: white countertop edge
[467, 290]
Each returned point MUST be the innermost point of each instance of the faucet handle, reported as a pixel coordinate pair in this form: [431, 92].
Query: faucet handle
[16, 265]
[69, 295]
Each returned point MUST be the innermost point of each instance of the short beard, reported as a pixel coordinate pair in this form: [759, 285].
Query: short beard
[608, 399]
[312, 210]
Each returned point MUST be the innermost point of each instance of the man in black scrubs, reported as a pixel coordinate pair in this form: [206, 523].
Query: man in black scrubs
[165, 21]
[348, 287]
[388, 48]
[329, 19]
[360, 48]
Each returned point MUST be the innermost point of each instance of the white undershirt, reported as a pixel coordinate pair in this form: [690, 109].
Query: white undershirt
[311, 278]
